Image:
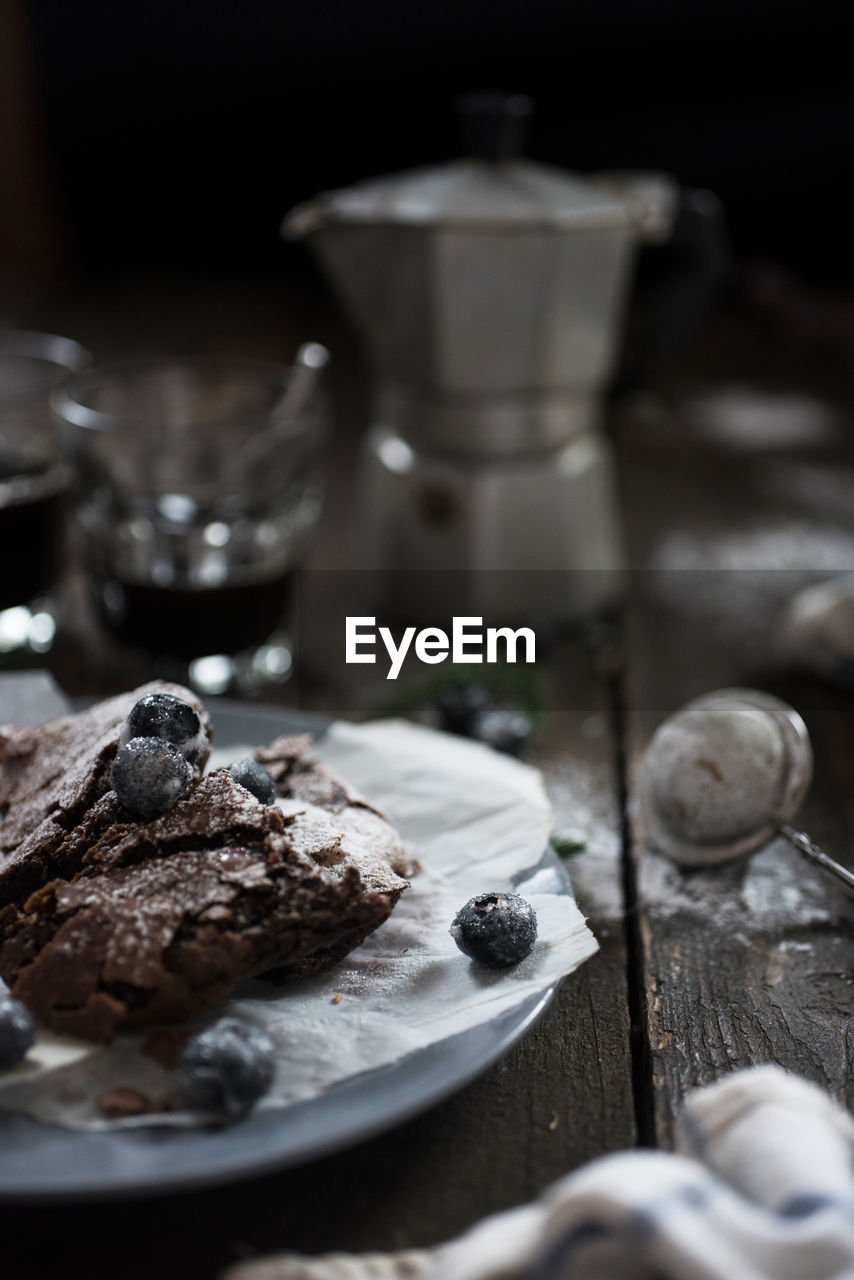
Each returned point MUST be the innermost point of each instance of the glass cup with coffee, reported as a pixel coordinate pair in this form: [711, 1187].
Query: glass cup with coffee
[197, 485]
[33, 480]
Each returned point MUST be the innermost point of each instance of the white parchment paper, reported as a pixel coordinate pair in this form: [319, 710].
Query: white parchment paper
[476, 821]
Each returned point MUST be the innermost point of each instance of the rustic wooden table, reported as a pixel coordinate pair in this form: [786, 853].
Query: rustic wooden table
[738, 487]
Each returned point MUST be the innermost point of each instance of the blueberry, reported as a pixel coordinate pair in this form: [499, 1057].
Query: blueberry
[161, 715]
[459, 704]
[227, 1068]
[496, 929]
[17, 1032]
[149, 775]
[254, 777]
[505, 730]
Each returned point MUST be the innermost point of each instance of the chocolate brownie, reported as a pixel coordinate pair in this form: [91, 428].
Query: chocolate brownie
[51, 775]
[109, 921]
[299, 776]
[313, 797]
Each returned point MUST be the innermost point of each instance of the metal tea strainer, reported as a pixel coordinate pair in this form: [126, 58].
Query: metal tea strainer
[724, 775]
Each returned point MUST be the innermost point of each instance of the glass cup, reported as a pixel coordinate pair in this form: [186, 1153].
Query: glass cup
[197, 486]
[32, 486]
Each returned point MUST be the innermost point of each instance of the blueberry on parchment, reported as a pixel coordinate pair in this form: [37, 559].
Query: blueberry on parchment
[495, 929]
[459, 704]
[503, 729]
[17, 1032]
[227, 1068]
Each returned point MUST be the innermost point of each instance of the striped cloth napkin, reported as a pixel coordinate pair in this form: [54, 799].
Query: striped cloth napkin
[761, 1188]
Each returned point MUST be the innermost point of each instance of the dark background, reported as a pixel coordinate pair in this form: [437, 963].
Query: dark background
[177, 134]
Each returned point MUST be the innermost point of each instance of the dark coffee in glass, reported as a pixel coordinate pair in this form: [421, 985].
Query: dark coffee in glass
[33, 480]
[197, 488]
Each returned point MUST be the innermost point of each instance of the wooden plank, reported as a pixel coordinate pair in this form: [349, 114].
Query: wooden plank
[749, 963]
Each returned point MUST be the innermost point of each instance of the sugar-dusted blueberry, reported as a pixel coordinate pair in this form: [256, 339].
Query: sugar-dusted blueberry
[162, 715]
[227, 1068]
[495, 929]
[504, 729]
[17, 1032]
[459, 704]
[254, 777]
[149, 775]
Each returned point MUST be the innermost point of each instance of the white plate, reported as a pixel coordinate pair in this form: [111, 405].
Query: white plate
[38, 1162]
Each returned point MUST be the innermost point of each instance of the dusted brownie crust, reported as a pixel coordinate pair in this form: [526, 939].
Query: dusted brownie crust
[51, 775]
[315, 799]
[164, 917]
[107, 921]
[299, 776]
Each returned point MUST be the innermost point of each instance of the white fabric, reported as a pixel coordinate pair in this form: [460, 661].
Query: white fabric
[761, 1188]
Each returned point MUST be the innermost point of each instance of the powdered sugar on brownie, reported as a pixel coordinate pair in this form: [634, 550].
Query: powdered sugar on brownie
[106, 920]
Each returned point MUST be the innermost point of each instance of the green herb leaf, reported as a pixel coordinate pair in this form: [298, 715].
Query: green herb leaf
[566, 847]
